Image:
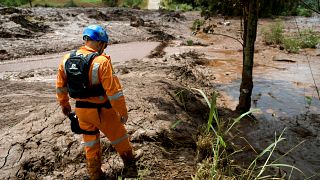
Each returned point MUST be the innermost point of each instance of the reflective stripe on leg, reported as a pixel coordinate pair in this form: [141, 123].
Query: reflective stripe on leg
[90, 143]
[117, 141]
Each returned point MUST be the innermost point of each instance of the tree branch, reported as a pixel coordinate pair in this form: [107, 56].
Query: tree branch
[309, 7]
[228, 37]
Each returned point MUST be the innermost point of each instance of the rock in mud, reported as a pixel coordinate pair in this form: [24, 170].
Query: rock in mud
[283, 59]
[136, 22]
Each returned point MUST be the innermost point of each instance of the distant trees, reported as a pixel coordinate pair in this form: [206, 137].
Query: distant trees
[14, 2]
[266, 8]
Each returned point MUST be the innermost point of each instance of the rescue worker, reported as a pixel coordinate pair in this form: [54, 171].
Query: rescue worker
[106, 112]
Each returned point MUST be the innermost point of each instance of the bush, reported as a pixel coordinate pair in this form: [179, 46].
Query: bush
[292, 45]
[309, 39]
[189, 42]
[111, 3]
[70, 4]
[304, 12]
[174, 5]
[13, 3]
[132, 3]
[273, 34]
[197, 24]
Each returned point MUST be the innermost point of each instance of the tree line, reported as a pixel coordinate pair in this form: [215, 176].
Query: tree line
[266, 8]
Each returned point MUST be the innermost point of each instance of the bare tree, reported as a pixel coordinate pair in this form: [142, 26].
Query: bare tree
[250, 23]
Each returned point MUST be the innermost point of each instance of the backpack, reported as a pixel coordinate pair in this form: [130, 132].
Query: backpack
[77, 72]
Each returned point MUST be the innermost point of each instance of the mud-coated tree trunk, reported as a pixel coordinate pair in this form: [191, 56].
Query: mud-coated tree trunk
[250, 16]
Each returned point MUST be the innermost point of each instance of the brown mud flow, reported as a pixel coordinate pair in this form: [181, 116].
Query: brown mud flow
[164, 115]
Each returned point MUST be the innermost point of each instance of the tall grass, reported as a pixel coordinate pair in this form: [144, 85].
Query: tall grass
[274, 35]
[219, 163]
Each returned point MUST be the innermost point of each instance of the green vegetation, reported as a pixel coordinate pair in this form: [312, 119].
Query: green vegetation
[309, 39]
[76, 3]
[219, 163]
[173, 6]
[134, 3]
[13, 2]
[274, 35]
[301, 11]
[197, 24]
[189, 42]
[291, 44]
[268, 8]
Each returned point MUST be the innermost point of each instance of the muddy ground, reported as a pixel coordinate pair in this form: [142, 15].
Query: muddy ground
[165, 117]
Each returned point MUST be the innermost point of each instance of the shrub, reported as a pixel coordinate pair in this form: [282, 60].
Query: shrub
[174, 5]
[273, 34]
[111, 3]
[292, 45]
[304, 12]
[70, 4]
[132, 3]
[189, 42]
[309, 39]
[196, 24]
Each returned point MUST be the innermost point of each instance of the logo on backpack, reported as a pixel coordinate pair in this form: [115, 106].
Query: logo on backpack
[73, 67]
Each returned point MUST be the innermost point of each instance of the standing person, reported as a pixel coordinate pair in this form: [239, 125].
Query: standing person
[87, 76]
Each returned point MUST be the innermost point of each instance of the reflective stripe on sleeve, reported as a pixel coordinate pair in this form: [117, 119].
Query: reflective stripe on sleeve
[61, 90]
[117, 141]
[91, 143]
[95, 76]
[115, 96]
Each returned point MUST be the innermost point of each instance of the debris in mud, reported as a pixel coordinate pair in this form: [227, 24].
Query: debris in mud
[32, 26]
[283, 59]
[9, 10]
[160, 35]
[98, 15]
[136, 21]
[158, 52]
[173, 16]
[20, 27]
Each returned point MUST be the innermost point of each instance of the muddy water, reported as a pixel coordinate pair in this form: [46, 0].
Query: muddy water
[118, 52]
[284, 92]
[281, 89]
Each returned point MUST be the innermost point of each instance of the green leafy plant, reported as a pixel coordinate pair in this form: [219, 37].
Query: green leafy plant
[301, 11]
[189, 42]
[309, 39]
[292, 45]
[213, 168]
[273, 34]
[197, 24]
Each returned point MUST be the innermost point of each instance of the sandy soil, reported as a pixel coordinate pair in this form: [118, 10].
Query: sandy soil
[165, 117]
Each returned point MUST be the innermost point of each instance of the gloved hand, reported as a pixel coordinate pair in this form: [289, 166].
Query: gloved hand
[124, 119]
[66, 110]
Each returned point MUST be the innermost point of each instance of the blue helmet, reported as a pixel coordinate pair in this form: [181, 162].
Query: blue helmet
[95, 33]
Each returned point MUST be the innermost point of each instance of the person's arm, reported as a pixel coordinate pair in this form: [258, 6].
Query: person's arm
[62, 90]
[112, 86]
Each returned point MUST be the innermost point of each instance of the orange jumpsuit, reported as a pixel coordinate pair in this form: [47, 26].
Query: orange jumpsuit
[107, 120]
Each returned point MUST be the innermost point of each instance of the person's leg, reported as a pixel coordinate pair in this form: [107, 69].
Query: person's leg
[87, 119]
[115, 131]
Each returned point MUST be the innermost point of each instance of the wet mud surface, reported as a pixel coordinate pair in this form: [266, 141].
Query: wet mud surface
[165, 116]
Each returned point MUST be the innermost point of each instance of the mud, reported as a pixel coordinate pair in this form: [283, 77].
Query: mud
[165, 116]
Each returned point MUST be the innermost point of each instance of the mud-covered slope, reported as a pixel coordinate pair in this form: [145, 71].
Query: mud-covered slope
[34, 31]
[161, 123]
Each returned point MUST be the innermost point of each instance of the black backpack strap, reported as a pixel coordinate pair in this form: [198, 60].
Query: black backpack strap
[91, 56]
[73, 53]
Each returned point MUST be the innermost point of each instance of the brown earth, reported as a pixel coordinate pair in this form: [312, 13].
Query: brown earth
[165, 116]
